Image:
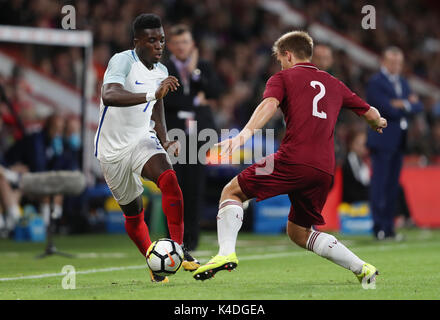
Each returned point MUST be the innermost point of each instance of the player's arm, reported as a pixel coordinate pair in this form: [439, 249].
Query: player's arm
[370, 114]
[160, 126]
[114, 94]
[262, 114]
[374, 120]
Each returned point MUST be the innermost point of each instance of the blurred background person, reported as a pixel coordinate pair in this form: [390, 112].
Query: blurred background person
[73, 206]
[435, 138]
[402, 214]
[17, 111]
[9, 201]
[43, 151]
[323, 57]
[355, 171]
[72, 143]
[390, 93]
[198, 84]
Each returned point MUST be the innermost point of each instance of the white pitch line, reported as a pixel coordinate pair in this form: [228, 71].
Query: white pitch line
[242, 258]
[50, 275]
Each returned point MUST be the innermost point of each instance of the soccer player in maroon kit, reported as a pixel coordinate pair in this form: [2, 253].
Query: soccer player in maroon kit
[303, 167]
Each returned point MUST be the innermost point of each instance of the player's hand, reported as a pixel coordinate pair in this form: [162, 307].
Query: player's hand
[228, 146]
[170, 83]
[382, 124]
[174, 147]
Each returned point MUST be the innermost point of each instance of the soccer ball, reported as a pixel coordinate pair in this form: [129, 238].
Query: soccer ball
[164, 257]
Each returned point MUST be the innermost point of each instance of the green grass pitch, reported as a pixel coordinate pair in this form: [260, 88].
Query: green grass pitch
[270, 267]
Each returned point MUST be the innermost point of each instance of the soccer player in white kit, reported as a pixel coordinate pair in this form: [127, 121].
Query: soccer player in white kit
[132, 141]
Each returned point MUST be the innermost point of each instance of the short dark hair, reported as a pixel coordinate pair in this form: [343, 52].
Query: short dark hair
[179, 29]
[146, 21]
[297, 42]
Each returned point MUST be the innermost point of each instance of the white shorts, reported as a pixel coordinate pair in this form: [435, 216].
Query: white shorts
[124, 177]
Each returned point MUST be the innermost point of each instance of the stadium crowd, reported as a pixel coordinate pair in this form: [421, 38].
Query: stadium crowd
[237, 37]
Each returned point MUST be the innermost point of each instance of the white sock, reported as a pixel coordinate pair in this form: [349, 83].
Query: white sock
[45, 212]
[57, 211]
[11, 176]
[14, 212]
[229, 221]
[327, 246]
[12, 216]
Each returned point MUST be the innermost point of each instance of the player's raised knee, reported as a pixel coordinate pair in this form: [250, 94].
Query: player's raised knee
[232, 190]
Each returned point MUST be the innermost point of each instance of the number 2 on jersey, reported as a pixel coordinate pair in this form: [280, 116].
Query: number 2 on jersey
[315, 112]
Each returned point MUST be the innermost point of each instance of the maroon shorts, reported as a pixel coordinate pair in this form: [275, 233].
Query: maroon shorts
[306, 187]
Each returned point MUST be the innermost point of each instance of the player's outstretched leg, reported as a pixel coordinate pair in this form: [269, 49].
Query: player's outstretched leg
[138, 231]
[327, 246]
[229, 222]
[172, 205]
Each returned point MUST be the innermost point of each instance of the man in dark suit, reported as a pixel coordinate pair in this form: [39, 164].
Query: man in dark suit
[390, 93]
[190, 103]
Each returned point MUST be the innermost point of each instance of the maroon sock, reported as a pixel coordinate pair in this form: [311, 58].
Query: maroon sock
[172, 203]
[137, 230]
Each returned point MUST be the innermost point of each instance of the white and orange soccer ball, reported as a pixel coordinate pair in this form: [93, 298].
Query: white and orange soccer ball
[164, 257]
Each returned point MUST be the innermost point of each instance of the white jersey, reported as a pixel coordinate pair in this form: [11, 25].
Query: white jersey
[121, 128]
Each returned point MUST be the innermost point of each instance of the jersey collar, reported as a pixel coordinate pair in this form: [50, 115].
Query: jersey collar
[134, 54]
[136, 58]
[305, 65]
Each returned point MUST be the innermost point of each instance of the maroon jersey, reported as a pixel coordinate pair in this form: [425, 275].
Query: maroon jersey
[310, 100]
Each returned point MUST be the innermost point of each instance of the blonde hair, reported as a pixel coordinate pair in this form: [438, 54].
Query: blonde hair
[300, 43]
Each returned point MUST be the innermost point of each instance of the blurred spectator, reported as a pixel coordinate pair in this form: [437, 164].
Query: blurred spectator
[9, 194]
[390, 93]
[9, 201]
[402, 214]
[410, 25]
[355, 171]
[418, 142]
[15, 108]
[198, 85]
[43, 151]
[236, 37]
[323, 57]
[73, 206]
[72, 144]
[436, 139]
